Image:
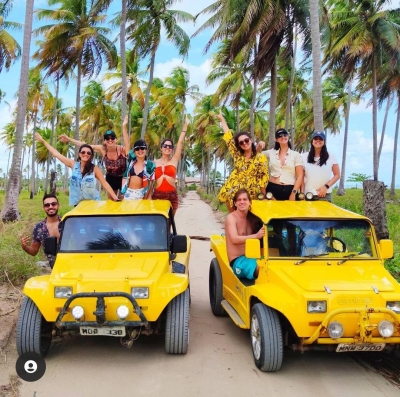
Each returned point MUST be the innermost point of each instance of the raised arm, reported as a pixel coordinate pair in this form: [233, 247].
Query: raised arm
[99, 175]
[181, 141]
[125, 134]
[222, 120]
[67, 139]
[54, 152]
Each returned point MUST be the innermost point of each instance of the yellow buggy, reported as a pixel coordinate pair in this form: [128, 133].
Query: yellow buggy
[322, 283]
[121, 270]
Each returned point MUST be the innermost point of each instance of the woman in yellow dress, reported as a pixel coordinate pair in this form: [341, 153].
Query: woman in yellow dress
[251, 168]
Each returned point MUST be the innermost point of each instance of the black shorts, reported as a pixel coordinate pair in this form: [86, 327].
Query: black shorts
[280, 192]
[114, 181]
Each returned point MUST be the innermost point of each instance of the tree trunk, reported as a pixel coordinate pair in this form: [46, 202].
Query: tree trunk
[375, 207]
[272, 106]
[341, 191]
[215, 172]
[53, 123]
[146, 100]
[123, 62]
[10, 210]
[53, 184]
[396, 139]
[316, 57]
[384, 128]
[78, 107]
[208, 169]
[33, 190]
[374, 121]
[288, 123]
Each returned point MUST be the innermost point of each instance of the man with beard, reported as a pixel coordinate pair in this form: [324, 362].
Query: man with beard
[51, 226]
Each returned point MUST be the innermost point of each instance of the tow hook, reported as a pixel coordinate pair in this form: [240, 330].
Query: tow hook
[100, 312]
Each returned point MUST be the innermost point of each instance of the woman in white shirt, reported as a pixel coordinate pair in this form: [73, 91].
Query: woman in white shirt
[319, 165]
[285, 168]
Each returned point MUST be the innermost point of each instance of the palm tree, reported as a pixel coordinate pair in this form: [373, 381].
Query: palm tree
[147, 18]
[10, 211]
[75, 41]
[9, 48]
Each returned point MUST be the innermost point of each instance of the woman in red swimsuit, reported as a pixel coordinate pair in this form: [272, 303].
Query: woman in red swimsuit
[166, 170]
[114, 157]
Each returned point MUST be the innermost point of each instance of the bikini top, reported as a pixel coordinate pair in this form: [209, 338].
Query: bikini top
[169, 170]
[115, 167]
[133, 173]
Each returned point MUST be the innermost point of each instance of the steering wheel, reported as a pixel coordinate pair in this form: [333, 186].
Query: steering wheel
[340, 245]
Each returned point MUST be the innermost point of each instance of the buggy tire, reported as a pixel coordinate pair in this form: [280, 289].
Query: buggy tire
[266, 338]
[177, 324]
[215, 289]
[33, 331]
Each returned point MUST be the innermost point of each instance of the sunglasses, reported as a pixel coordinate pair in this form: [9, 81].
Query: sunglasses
[137, 148]
[244, 141]
[107, 138]
[53, 204]
[85, 152]
[282, 134]
[317, 138]
[166, 146]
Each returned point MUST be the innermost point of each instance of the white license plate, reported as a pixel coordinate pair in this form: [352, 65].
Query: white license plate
[117, 331]
[361, 347]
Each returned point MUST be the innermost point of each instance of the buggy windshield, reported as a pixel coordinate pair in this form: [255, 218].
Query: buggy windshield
[115, 233]
[335, 238]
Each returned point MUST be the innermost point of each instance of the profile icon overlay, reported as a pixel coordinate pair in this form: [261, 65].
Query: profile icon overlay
[30, 367]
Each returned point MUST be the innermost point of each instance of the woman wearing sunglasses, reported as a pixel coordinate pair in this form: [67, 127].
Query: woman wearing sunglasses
[82, 184]
[138, 179]
[114, 157]
[319, 165]
[166, 167]
[285, 167]
[251, 168]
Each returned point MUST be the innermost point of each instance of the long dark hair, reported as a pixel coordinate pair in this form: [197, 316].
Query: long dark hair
[236, 140]
[323, 157]
[89, 166]
[278, 145]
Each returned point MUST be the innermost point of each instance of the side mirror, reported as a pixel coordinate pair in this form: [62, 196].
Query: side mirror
[50, 246]
[252, 248]
[386, 248]
[178, 244]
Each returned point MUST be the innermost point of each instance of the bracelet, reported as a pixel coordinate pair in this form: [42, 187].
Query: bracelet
[327, 186]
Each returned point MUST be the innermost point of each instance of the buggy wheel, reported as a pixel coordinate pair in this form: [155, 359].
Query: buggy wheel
[177, 325]
[215, 289]
[266, 338]
[33, 331]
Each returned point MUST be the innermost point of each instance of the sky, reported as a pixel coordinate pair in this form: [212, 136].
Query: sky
[359, 149]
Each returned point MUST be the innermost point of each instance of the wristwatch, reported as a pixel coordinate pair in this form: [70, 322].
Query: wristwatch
[327, 186]
[294, 191]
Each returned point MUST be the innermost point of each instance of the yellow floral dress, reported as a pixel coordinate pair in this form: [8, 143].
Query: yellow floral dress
[251, 174]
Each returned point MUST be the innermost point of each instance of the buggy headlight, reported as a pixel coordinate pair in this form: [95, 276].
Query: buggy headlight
[393, 305]
[269, 196]
[122, 312]
[386, 328]
[301, 196]
[309, 196]
[62, 292]
[260, 196]
[335, 330]
[77, 312]
[316, 306]
[140, 292]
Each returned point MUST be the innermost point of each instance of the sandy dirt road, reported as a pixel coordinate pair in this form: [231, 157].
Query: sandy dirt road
[219, 361]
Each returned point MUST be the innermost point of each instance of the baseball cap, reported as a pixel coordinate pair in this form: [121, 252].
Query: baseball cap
[320, 134]
[110, 133]
[279, 132]
[139, 143]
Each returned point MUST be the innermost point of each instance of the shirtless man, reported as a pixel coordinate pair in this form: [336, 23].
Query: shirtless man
[238, 228]
[51, 226]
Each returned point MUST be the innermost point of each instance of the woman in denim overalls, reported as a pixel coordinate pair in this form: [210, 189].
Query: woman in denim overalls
[82, 185]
